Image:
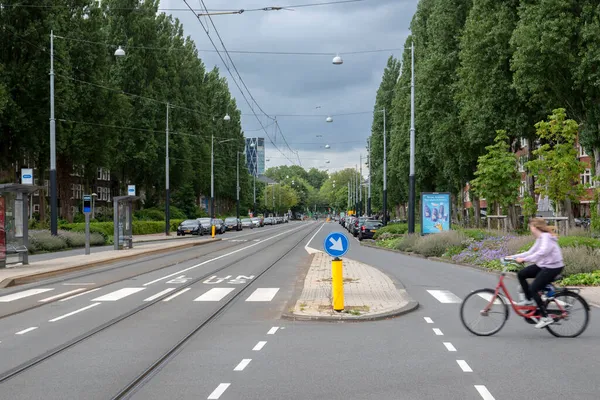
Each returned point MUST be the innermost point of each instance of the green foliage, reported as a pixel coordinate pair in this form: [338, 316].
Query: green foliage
[453, 251]
[184, 199]
[389, 243]
[557, 166]
[580, 260]
[44, 241]
[528, 208]
[583, 279]
[497, 179]
[437, 244]
[408, 242]
[395, 229]
[149, 214]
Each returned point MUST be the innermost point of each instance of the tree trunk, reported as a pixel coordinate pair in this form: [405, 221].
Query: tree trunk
[530, 178]
[512, 217]
[477, 206]
[597, 172]
[64, 169]
[453, 216]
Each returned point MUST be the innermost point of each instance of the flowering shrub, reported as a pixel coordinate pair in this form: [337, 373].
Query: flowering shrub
[435, 245]
[482, 252]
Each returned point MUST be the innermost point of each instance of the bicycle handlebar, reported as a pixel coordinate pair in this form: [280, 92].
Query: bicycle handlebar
[506, 262]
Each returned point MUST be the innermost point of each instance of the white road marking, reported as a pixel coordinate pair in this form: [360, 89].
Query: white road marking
[259, 346]
[263, 294]
[438, 332]
[428, 320]
[484, 392]
[24, 331]
[119, 294]
[272, 330]
[74, 312]
[215, 294]
[464, 366]
[218, 391]
[449, 346]
[219, 257]
[445, 296]
[243, 364]
[58, 296]
[171, 297]
[488, 297]
[79, 284]
[20, 295]
[80, 294]
[309, 249]
[157, 295]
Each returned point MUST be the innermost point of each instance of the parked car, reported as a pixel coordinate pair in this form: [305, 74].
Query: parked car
[233, 223]
[269, 221]
[247, 223]
[205, 224]
[357, 225]
[219, 226]
[189, 227]
[368, 228]
[256, 222]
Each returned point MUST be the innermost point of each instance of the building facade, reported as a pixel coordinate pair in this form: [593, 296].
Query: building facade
[255, 156]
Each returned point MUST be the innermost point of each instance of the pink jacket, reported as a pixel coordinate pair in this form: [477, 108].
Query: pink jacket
[545, 253]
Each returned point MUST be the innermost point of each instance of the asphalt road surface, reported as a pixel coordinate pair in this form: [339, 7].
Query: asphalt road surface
[98, 334]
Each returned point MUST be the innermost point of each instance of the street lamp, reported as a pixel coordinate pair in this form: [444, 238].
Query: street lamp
[384, 170]
[120, 52]
[327, 146]
[337, 60]
[329, 119]
[226, 117]
[411, 174]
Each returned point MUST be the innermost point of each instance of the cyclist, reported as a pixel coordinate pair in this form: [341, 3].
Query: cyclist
[547, 260]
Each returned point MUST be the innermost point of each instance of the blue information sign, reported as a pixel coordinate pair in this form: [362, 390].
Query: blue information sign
[435, 212]
[336, 244]
[87, 203]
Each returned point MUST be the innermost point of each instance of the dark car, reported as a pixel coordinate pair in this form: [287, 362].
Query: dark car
[269, 221]
[356, 225]
[247, 223]
[232, 223]
[206, 225]
[368, 228]
[189, 227]
[219, 226]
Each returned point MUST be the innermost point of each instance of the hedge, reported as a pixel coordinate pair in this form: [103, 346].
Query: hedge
[139, 227]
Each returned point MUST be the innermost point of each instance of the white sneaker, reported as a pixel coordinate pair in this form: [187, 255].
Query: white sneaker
[544, 321]
[526, 303]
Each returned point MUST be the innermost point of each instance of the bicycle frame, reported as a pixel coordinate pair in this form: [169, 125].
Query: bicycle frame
[523, 311]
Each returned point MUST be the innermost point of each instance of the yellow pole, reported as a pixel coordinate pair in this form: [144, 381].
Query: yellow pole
[337, 282]
[213, 231]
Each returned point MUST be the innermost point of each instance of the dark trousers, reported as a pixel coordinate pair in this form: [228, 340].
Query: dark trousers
[543, 276]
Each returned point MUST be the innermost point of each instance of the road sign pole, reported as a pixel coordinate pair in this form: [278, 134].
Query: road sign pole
[87, 233]
[337, 284]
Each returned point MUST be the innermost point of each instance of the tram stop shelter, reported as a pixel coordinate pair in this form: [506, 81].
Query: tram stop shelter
[123, 221]
[14, 223]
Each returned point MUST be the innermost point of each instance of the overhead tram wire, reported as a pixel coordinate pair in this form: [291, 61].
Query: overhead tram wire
[233, 77]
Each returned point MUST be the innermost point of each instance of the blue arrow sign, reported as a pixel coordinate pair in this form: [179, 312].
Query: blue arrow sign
[336, 244]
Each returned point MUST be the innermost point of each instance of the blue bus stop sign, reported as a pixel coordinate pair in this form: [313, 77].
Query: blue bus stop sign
[336, 244]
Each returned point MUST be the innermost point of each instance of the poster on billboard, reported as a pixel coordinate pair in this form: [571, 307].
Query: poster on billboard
[435, 213]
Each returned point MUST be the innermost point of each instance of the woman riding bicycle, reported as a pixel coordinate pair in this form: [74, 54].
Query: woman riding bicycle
[547, 260]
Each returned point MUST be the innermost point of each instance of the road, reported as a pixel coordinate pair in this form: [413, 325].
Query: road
[225, 304]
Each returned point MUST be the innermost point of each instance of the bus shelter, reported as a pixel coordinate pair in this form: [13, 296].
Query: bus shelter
[123, 221]
[14, 223]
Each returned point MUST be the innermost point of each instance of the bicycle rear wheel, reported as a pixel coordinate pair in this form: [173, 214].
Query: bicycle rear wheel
[577, 314]
[476, 319]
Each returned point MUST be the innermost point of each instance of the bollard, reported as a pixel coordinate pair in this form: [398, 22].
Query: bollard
[337, 283]
[213, 231]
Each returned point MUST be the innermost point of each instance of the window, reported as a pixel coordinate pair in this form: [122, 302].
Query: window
[523, 188]
[467, 196]
[78, 170]
[36, 208]
[522, 161]
[586, 177]
[103, 194]
[523, 142]
[103, 174]
[77, 191]
[582, 152]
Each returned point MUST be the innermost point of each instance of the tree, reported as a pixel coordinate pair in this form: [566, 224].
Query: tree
[557, 167]
[316, 178]
[497, 178]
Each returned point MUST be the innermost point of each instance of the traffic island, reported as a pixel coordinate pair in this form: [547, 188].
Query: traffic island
[369, 294]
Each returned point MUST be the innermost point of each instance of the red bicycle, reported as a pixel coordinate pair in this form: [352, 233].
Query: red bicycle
[489, 308]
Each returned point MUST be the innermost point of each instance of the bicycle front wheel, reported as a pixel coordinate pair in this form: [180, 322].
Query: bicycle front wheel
[570, 313]
[482, 317]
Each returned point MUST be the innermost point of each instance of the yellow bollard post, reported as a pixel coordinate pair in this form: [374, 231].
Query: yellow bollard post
[337, 283]
[213, 231]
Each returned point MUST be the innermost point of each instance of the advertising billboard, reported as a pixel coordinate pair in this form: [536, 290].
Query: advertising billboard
[435, 212]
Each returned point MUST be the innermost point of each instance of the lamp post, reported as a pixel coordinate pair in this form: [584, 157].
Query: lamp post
[53, 181]
[411, 174]
[384, 169]
[168, 190]
[94, 195]
[237, 187]
[369, 195]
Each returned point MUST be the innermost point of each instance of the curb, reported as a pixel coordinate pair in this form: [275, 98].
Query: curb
[23, 279]
[406, 253]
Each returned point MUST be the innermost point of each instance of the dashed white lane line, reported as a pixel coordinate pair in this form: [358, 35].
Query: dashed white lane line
[221, 256]
[74, 312]
[263, 294]
[218, 391]
[243, 364]
[449, 346]
[259, 346]
[24, 331]
[58, 296]
[273, 330]
[484, 392]
[157, 295]
[171, 297]
[20, 295]
[119, 294]
[215, 294]
[79, 284]
[438, 332]
[428, 320]
[464, 366]
[445, 296]
[80, 294]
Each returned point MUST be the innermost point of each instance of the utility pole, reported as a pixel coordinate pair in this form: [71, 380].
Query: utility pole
[384, 170]
[411, 176]
[348, 203]
[369, 196]
[167, 187]
[237, 187]
[212, 176]
[361, 187]
[53, 180]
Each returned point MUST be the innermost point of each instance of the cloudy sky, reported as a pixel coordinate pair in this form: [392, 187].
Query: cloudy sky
[301, 90]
